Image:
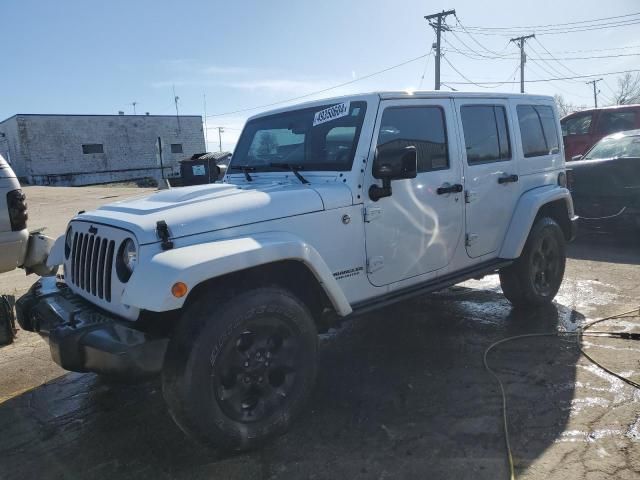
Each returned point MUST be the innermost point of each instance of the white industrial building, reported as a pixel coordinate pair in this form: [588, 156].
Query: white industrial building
[90, 149]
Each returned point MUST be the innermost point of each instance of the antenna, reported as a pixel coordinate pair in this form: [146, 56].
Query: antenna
[206, 141]
[220, 132]
[134, 103]
[175, 99]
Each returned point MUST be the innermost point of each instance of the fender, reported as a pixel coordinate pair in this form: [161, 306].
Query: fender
[525, 213]
[150, 285]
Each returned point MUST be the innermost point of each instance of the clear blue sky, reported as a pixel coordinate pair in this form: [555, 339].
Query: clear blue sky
[85, 56]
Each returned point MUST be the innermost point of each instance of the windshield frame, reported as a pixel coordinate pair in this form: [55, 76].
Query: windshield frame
[241, 152]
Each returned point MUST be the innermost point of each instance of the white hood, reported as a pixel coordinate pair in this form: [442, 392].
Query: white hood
[206, 208]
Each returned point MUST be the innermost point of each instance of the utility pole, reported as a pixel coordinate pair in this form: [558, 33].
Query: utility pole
[520, 41]
[595, 91]
[220, 131]
[206, 140]
[438, 26]
[134, 107]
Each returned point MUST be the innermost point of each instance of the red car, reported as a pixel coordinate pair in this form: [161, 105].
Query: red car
[582, 130]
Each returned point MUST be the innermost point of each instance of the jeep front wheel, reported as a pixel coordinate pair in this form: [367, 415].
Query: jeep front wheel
[237, 372]
[535, 277]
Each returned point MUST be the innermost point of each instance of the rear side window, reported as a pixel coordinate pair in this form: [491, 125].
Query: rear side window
[538, 130]
[422, 127]
[611, 122]
[577, 125]
[486, 135]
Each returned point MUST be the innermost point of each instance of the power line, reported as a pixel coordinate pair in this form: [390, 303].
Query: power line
[586, 28]
[572, 72]
[310, 94]
[529, 27]
[553, 79]
[424, 70]
[494, 84]
[476, 41]
[555, 82]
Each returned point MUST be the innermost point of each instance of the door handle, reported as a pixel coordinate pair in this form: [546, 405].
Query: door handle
[508, 179]
[455, 188]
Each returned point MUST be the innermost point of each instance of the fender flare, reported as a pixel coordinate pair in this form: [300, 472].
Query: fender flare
[150, 285]
[525, 213]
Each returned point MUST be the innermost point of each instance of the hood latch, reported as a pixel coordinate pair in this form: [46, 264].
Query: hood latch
[162, 230]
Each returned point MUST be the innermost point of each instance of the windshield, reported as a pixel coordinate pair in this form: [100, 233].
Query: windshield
[318, 138]
[615, 147]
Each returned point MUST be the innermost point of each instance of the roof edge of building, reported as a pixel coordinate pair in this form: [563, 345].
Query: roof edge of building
[92, 115]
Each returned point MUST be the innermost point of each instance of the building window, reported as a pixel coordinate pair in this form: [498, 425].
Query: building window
[176, 148]
[538, 130]
[92, 148]
[485, 133]
[421, 127]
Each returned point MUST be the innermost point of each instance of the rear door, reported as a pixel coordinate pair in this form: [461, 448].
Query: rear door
[618, 120]
[491, 177]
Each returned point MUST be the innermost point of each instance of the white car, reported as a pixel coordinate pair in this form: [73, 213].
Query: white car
[14, 236]
[328, 209]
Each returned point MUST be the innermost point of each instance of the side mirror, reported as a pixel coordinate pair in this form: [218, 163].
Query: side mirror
[576, 157]
[396, 164]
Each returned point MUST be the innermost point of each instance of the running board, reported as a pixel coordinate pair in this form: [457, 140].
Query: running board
[430, 286]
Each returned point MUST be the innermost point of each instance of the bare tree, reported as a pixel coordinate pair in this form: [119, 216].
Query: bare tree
[564, 107]
[628, 90]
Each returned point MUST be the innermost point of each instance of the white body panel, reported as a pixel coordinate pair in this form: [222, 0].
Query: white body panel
[415, 231]
[222, 228]
[13, 245]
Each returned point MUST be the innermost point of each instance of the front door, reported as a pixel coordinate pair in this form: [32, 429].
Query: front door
[491, 179]
[416, 229]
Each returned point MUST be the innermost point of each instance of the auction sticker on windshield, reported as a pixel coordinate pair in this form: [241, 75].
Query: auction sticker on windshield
[331, 113]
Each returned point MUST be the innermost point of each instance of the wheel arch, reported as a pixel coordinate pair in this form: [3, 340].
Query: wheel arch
[293, 275]
[548, 201]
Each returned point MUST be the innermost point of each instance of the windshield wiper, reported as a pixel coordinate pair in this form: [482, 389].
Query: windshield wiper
[292, 168]
[245, 169]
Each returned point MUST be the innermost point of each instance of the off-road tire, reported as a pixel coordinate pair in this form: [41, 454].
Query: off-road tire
[521, 281]
[191, 377]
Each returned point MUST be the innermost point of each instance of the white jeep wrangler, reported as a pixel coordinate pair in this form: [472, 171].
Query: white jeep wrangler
[328, 209]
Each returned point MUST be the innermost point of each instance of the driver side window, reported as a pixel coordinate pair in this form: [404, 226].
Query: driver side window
[421, 127]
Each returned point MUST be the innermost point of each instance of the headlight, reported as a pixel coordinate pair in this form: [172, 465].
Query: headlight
[68, 240]
[127, 259]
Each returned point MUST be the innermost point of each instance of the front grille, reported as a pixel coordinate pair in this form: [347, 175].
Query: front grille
[92, 264]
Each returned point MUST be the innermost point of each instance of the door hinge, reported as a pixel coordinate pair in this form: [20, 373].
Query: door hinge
[374, 264]
[470, 196]
[471, 238]
[371, 213]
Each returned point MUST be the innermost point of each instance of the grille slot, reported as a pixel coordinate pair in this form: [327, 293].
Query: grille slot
[92, 264]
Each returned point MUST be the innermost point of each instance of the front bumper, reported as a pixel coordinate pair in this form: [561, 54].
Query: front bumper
[84, 338]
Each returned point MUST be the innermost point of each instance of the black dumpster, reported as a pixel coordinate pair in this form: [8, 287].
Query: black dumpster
[202, 168]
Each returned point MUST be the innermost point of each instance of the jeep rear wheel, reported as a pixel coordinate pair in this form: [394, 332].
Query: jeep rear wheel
[238, 372]
[535, 277]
